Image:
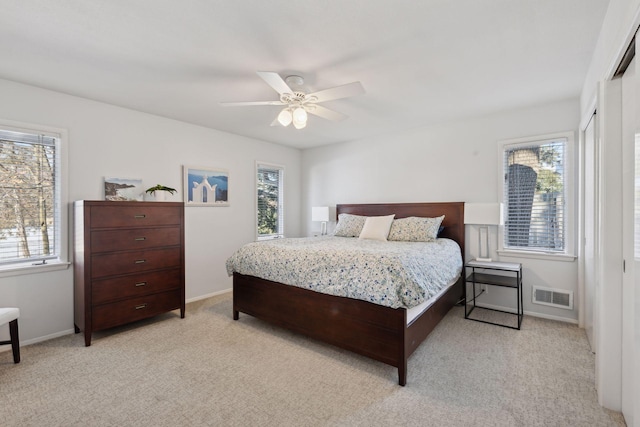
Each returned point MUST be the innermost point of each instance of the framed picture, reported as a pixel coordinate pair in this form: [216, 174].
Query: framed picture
[123, 189]
[205, 186]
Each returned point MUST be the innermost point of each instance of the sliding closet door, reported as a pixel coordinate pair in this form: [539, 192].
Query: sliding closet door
[631, 244]
[617, 296]
[590, 230]
[608, 296]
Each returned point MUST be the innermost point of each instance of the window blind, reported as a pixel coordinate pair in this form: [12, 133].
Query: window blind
[29, 197]
[270, 202]
[534, 196]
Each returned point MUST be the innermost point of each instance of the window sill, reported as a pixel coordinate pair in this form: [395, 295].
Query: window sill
[20, 269]
[537, 255]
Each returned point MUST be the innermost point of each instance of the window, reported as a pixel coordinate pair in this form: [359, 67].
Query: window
[537, 195]
[270, 207]
[30, 197]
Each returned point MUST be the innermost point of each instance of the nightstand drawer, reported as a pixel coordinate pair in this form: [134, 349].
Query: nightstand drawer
[134, 238]
[103, 265]
[134, 285]
[135, 216]
[118, 313]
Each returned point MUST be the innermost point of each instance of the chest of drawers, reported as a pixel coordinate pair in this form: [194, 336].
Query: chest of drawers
[129, 262]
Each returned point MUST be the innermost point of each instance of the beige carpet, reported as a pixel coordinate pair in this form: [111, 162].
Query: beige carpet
[208, 370]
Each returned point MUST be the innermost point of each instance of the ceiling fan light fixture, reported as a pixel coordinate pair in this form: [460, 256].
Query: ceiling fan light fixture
[299, 116]
[296, 102]
[285, 118]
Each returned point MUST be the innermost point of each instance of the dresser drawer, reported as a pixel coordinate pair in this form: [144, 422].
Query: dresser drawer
[109, 264]
[135, 216]
[134, 285]
[134, 238]
[121, 312]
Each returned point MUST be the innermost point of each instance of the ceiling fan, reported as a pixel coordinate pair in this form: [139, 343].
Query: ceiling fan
[298, 103]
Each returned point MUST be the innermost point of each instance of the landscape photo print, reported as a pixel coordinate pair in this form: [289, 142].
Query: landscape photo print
[205, 186]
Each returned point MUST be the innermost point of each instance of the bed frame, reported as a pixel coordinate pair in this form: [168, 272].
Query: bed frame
[372, 330]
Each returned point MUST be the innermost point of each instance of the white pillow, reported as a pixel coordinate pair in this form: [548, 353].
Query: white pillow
[377, 227]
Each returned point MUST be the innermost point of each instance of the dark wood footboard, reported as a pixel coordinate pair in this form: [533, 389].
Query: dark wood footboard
[371, 330]
[359, 326]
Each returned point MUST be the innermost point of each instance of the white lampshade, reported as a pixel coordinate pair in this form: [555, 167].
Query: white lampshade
[300, 116]
[482, 213]
[299, 125]
[285, 117]
[320, 214]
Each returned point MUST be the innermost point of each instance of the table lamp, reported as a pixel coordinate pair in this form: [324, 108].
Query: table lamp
[484, 215]
[321, 214]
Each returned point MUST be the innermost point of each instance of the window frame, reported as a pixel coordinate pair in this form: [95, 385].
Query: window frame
[570, 182]
[61, 261]
[263, 165]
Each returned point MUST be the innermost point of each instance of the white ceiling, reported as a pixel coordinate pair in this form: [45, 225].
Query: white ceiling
[420, 61]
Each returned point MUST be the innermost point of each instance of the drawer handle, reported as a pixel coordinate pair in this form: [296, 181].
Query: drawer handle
[141, 216]
[140, 239]
[139, 261]
[141, 284]
[141, 306]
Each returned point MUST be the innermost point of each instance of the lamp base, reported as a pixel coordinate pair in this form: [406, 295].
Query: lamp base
[483, 259]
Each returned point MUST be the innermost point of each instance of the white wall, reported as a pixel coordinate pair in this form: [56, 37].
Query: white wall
[450, 162]
[105, 140]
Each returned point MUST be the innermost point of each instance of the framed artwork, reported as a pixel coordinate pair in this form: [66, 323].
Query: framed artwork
[205, 186]
[123, 189]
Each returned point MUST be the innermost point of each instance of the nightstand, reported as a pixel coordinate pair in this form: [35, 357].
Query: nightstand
[492, 273]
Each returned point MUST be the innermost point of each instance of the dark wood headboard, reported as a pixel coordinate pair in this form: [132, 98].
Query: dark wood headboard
[453, 214]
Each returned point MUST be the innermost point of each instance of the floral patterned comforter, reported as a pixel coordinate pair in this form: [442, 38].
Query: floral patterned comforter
[393, 274]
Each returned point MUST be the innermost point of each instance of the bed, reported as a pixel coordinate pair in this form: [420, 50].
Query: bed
[389, 335]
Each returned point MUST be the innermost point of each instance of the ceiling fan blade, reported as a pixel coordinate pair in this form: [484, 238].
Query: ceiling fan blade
[275, 81]
[325, 113]
[344, 91]
[242, 104]
[275, 122]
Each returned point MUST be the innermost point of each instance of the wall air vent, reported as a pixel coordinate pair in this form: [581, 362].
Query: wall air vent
[553, 297]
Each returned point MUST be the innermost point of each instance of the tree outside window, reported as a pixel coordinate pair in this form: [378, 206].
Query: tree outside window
[535, 196]
[270, 221]
[27, 196]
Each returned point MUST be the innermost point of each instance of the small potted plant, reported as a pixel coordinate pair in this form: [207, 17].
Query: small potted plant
[158, 192]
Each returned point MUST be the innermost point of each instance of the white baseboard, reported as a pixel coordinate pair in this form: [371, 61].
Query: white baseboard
[71, 331]
[39, 339]
[530, 313]
[551, 317]
[48, 337]
[213, 294]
